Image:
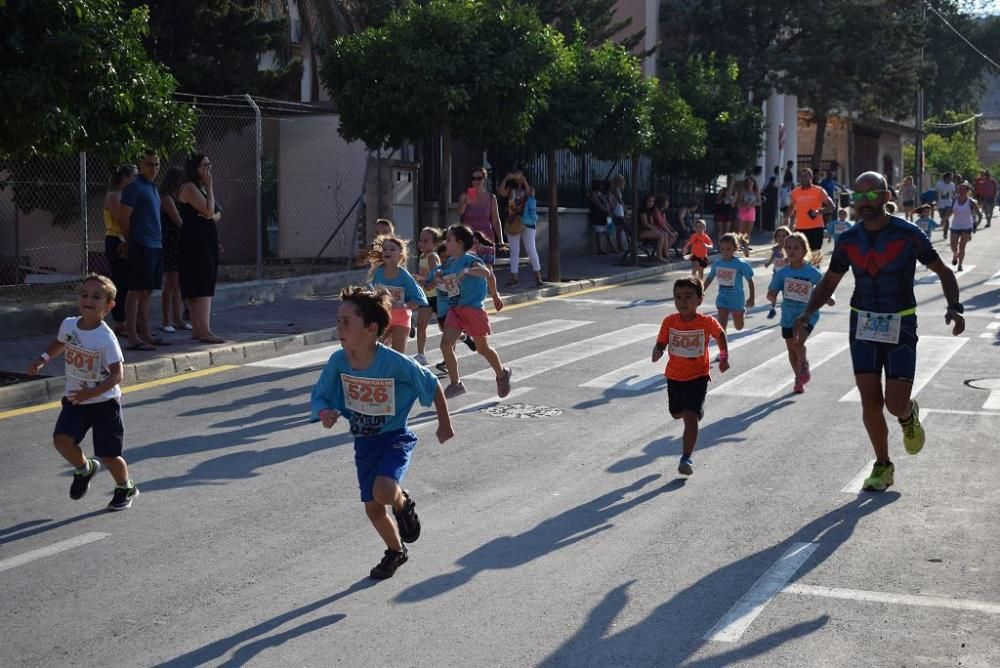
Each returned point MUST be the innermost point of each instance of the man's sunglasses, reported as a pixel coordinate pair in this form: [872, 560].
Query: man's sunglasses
[871, 195]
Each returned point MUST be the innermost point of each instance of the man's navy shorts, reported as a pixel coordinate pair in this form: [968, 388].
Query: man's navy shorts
[145, 267]
[383, 454]
[898, 360]
[104, 418]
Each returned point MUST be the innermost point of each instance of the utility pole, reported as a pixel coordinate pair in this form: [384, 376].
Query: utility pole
[919, 145]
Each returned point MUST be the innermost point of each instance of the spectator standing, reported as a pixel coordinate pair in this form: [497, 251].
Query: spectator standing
[522, 219]
[747, 200]
[769, 205]
[723, 209]
[171, 223]
[600, 216]
[114, 243]
[139, 220]
[616, 202]
[986, 193]
[478, 209]
[908, 197]
[199, 267]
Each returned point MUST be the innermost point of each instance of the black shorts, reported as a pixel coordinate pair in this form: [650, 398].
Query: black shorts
[105, 419]
[815, 237]
[789, 332]
[897, 360]
[433, 303]
[687, 395]
[701, 261]
[145, 267]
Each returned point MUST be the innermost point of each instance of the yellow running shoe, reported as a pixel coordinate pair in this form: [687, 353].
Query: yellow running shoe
[880, 479]
[913, 431]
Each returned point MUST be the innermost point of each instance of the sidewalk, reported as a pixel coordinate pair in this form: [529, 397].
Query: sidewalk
[259, 331]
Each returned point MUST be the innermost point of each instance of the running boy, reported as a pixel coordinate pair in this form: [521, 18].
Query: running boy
[92, 397]
[731, 272]
[684, 335]
[795, 283]
[925, 221]
[699, 244]
[375, 387]
[777, 259]
[839, 226]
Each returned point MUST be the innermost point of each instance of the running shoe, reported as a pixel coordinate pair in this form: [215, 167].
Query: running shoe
[467, 340]
[913, 431]
[954, 260]
[454, 389]
[169, 329]
[804, 375]
[686, 467]
[420, 359]
[407, 520]
[390, 562]
[81, 481]
[773, 312]
[123, 497]
[959, 268]
[881, 477]
[503, 384]
[442, 367]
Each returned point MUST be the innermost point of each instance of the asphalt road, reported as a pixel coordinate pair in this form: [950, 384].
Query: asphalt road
[562, 537]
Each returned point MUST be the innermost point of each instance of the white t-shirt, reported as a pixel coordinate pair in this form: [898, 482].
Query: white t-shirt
[945, 194]
[89, 353]
[961, 216]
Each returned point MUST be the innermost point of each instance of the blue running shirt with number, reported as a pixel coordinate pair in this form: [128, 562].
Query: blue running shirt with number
[736, 270]
[884, 263]
[385, 391]
[795, 293]
[412, 292]
[473, 290]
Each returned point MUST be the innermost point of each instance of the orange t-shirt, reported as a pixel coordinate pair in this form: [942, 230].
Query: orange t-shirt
[687, 345]
[700, 243]
[805, 200]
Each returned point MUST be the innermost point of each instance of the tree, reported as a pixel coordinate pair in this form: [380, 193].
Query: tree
[213, 47]
[469, 69]
[953, 73]
[950, 149]
[596, 18]
[74, 76]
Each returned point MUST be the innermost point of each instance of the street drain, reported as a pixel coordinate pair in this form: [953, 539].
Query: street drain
[521, 411]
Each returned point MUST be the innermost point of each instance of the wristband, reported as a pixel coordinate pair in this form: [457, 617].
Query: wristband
[45, 357]
[723, 355]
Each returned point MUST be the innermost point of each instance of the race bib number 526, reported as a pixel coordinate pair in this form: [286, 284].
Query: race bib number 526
[370, 396]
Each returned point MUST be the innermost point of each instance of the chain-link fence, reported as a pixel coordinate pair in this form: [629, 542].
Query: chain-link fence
[288, 184]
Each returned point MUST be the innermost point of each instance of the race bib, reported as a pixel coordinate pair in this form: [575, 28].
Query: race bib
[370, 396]
[840, 228]
[923, 225]
[83, 364]
[727, 277]
[396, 291]
[797, 290]
[878, 327]
[451, 285]
[780, 262]
[687, 343]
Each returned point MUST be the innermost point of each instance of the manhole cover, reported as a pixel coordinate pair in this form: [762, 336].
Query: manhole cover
[521, 411]
[990, 384]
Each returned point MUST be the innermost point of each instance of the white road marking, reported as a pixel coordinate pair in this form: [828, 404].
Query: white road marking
[993, 325]
[994, 279]
[932, 277]
[49, 550]
[636, 377]
[896, 599]
[538, 363]
[854, 487]
[767, 379]
[741, 615]
[992, 401]
[987, 335]
[933, 352]
[946, 411]
[663, 303]
[431, 420]
[536, 331]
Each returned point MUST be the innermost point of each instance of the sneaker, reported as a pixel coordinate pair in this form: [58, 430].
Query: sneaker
[959, 268]
[686, 467]
[503, 384]
[773, 312]
[407, 520]
[881, 477]
[954, 260]
[442, 367]
[390, 562]
[804, 375]
[123, 497]
[454, 389]
[420, 359]
[81, 481]
[469, 342]
[188, 326]
[913, 431]
[169, 329]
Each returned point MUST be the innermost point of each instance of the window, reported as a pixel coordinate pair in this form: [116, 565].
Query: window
[993, 147]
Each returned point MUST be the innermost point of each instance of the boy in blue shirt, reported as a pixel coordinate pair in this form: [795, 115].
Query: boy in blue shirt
[375, 387]
[924, 220]
[730, 271]
[838, 226]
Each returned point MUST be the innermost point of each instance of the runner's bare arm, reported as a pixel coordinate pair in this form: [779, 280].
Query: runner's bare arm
[723, 343]
[949, 285]
[750, 289]
[772, 296]
[54, 350]
[824, 290]
[444, 431]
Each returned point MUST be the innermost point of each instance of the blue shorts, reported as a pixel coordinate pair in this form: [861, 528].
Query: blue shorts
[145, 267]
[104, 418]
[383, 454]
[898, 360]
[730, 302]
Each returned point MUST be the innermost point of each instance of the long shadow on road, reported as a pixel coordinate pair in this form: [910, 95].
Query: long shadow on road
[673, 633]
[572, 526]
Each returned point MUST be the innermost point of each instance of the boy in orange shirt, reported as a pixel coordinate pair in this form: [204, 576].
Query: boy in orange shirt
[685, 336]
[699, 243]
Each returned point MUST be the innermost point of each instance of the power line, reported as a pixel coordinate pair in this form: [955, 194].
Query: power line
[960, 35]
[953, 125]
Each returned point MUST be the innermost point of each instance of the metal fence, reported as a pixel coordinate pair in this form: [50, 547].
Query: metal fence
[288, 184]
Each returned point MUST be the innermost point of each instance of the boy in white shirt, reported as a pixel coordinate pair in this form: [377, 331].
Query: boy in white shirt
[92, 397]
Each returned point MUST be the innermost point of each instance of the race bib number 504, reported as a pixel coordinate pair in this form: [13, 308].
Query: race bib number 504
[687, 343]
[370, 396]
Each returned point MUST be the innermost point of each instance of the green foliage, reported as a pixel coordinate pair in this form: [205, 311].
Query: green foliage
[950, 149]
[733, 128]
[478, 68]
[625, 96]
[679, 137]
[954, 73]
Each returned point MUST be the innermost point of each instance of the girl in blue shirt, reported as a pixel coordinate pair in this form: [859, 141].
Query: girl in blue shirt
[388, 271]
[731, 271]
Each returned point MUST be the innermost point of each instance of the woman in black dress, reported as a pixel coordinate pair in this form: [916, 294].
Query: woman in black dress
[199, 245]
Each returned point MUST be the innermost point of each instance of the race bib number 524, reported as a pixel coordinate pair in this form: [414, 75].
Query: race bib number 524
[370, 396]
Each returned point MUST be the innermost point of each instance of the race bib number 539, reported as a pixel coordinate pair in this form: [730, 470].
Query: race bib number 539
[370, 396]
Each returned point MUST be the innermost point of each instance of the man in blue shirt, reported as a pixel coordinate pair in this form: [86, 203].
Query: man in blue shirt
[140, 224]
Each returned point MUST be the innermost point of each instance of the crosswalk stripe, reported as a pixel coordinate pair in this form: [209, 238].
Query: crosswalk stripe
[637, 376]
[538, 363]
[933, 352]
[994, 279]
[931, 277]
[992, 400]
[767, 379]
[520, 334]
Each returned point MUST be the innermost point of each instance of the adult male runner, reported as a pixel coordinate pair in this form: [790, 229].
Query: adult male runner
[882, 253]
[807, 208]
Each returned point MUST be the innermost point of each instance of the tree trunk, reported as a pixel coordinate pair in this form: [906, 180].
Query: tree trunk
[444, 191]
[555, 267]
[635, 209]
[819, 117]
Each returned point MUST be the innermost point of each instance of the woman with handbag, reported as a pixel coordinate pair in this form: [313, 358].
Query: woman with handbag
[522, 219]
